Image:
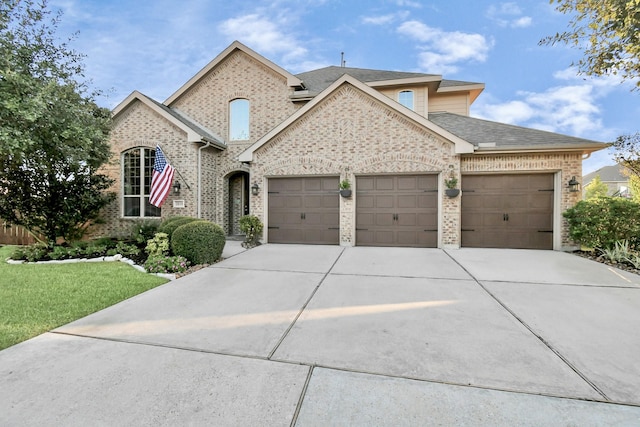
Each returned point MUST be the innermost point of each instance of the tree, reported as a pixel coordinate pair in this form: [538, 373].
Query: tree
[608, 31]
[53, 136]
[626, 151]
[596, 189]
[634, 186]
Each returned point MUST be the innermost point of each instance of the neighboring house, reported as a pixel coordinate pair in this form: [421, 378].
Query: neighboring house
[247, 136]
[615, 177]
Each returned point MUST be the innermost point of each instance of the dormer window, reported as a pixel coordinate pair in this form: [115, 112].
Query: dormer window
[239, 120]
[406, 98]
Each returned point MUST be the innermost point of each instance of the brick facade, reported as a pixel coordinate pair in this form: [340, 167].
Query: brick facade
[347, 133]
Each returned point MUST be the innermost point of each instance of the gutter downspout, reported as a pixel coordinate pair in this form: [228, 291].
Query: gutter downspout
[208, 144]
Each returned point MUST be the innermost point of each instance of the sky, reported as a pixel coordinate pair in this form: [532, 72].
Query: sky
[155, 46]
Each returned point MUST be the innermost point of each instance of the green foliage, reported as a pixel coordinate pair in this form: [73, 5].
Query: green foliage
[634, 187]
[344, 184]
[143, 230]
[626, 152]
[619, 252]
[596, 188]
[170, 226]
[30, 253]
[251, 226]
[158, 246]
[600, 223]
[165, 264]
[127, 250]
[52, 133]
[607, 32]
[201, 242]
[171, 219]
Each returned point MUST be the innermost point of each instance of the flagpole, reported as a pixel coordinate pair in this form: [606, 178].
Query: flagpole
[176, 169]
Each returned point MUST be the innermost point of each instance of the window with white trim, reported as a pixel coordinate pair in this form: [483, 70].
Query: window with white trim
[406, 98]
[239, 120]
[137, 170]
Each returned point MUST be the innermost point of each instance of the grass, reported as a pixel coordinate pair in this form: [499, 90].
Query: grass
[36, 298]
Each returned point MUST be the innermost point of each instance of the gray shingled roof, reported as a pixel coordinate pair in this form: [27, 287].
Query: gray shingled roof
[484, 133]
[613, 173]
[318, 80]
[205, 134]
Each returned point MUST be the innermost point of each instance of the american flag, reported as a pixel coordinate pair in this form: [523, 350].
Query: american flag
[161, 179]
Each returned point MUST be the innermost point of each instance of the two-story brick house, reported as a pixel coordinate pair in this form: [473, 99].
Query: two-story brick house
[249, 137]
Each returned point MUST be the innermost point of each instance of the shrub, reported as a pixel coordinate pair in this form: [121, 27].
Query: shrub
[143, 230]
[126, 249]
[251, 226]
[201, 242]
[169, 221]
[159, 245]
[171, 226]
[31, 253]
[165, 264]
[601, 222]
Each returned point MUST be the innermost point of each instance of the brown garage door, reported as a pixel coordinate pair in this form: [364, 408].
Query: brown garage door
[507, 211]
[397, 210]
[304, 210]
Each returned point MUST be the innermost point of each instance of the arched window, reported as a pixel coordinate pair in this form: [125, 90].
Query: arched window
[137, 170]
[239, 120]
[406, 98]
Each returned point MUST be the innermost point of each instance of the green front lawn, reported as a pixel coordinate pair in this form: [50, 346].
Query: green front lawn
[36, 298]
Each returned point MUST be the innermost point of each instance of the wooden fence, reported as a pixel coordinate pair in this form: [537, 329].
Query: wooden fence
[14, 235]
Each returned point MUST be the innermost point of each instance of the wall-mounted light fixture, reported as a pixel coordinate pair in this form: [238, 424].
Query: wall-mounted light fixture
[255, 189]
[176, 187]
[574, 185]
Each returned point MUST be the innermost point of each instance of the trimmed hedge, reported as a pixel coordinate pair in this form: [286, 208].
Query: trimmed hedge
[172, 224]
[201, 242]
[601, 222]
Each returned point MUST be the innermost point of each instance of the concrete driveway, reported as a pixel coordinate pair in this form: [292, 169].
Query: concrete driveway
[322, 335]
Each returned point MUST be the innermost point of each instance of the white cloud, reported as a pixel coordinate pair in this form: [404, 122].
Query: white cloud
[571, 109]
[385, 19]
[508, 15]
[442, 51]
[263, 35]
[409, 3]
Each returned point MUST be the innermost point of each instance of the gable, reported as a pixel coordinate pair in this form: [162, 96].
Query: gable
[193, 131]
[349, 107]
[235, 47]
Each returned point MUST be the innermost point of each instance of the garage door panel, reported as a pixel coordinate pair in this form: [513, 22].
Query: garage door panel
[407, 183]
[427, 182]
[407, 219]
[401, 207]
[541, 201]
[365, 219]
[365, 183]
[303, 210]
[366, 201]
[385, 201]
[383, 219]
[384, 183]
[407, 201]
[508, 211]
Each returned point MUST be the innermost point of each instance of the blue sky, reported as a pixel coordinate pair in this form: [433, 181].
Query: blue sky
[155, 46]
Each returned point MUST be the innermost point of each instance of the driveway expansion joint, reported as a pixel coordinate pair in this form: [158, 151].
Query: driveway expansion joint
[304, 306]
[538, 336]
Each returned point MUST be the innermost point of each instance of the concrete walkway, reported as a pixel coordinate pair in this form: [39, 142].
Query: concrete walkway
[286, 335]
